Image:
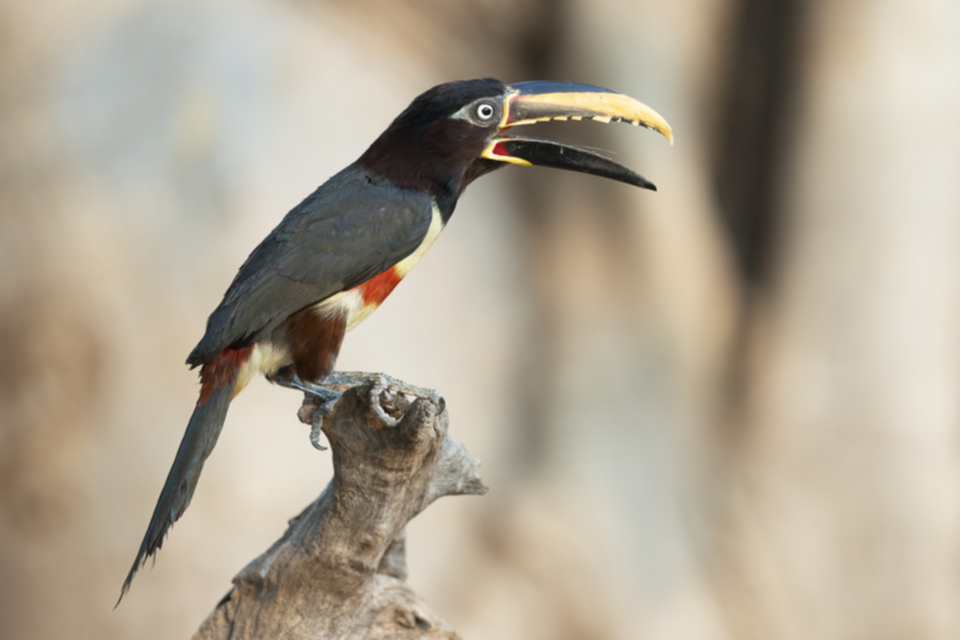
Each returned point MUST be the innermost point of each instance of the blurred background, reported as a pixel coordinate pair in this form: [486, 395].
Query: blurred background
[726, 410]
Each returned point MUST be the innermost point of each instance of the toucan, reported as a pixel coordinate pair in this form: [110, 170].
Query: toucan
[337, 255]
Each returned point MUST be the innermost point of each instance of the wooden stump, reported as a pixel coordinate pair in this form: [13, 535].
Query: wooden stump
[339, 569]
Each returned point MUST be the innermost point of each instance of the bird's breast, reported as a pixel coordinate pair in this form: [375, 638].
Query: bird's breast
[362, 300]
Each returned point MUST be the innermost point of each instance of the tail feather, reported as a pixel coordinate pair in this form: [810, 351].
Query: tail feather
[219, 381]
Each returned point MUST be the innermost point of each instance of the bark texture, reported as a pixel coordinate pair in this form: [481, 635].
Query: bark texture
[339, 569]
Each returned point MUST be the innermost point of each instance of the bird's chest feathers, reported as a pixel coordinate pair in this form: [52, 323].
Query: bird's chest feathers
[362, 300]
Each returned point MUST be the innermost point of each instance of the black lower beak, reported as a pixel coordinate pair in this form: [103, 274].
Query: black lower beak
[544, 153]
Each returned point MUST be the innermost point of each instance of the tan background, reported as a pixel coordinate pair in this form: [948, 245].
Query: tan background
[674, 450]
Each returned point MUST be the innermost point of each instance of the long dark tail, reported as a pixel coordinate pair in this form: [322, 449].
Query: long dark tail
[219, 380]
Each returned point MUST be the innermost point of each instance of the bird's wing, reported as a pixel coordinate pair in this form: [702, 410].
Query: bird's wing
[349, 230]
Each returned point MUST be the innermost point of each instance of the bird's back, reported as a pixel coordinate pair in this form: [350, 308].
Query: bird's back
[352, 228]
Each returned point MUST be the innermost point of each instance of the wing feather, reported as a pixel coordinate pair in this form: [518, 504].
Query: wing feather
[347, 231]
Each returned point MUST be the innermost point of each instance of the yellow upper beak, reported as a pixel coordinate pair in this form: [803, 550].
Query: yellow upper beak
[530, 102]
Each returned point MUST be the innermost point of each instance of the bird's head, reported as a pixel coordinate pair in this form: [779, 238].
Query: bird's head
[455, 132]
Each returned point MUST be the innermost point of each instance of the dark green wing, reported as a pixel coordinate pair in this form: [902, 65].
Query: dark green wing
[350, 229]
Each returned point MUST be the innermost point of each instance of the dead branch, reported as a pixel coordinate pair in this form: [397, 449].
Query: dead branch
[339, 569]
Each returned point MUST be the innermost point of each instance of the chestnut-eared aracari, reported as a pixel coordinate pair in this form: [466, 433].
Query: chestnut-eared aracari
[338, 254]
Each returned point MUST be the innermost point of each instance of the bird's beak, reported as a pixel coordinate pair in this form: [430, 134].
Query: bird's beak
[531, 102]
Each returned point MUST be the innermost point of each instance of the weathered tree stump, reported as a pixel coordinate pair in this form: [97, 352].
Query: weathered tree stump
[339, 569]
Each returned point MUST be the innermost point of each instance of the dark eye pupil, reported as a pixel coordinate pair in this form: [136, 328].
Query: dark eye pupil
[485, 111]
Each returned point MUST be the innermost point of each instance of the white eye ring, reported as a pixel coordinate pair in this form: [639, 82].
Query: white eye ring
[485, 111]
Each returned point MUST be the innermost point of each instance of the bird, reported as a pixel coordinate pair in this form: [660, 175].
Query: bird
[336, 256]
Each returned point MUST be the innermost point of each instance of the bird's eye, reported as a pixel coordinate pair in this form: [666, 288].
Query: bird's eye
[485, 111]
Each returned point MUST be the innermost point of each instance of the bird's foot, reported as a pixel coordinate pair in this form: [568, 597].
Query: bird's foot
[386, 396]
[318, 403]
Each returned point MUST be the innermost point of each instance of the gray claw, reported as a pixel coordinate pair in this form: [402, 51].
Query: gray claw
[376, 389]
[316, 424]
[315, 431]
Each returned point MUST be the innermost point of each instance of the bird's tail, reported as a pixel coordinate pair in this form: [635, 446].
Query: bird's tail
[218, 386]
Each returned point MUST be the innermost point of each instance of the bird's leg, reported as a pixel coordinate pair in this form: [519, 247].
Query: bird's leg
[328, 400]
